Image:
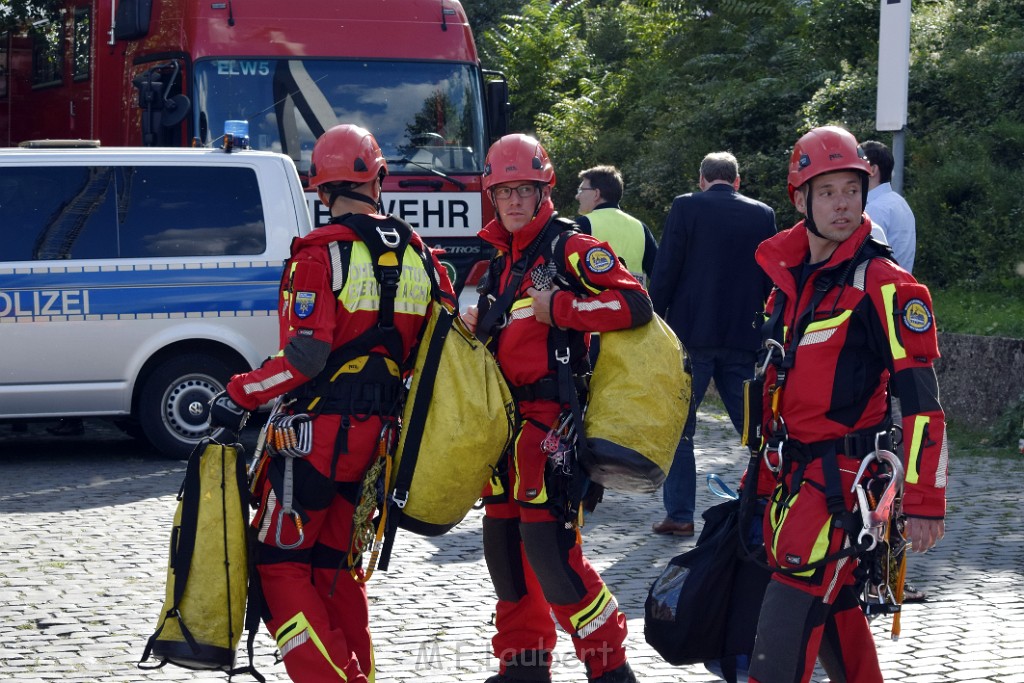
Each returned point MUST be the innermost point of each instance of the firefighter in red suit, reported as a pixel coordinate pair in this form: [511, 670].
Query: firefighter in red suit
[852, 324]
[531, 544]
[313, 605]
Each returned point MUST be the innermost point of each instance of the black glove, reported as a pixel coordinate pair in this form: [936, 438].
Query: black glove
[226, 414]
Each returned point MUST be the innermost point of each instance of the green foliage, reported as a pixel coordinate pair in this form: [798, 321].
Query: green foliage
[970, 311]
[543, 56]
[651, 86]
[1010, 428]
[16, 15]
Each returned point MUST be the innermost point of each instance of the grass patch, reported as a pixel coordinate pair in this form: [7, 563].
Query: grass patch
[966, 441]
[990, 314]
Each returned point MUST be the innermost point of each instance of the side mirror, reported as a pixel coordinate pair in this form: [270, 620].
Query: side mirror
[498, 106]
[131, 19]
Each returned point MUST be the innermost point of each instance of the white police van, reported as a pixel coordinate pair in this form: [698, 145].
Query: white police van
[135, 281]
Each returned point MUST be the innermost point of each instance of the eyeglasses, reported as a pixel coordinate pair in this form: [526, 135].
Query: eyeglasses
[584, 189]
[524, 191]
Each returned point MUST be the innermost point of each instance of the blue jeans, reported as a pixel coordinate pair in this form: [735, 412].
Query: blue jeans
[729, 368]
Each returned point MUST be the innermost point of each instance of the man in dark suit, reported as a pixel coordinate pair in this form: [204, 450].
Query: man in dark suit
[708, 288]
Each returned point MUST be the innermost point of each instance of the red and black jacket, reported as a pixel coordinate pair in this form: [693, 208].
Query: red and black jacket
[872, 328]
[603, 296]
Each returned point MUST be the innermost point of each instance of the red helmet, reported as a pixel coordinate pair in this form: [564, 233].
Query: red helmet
[824, 150]
[346, 153]
[517, 157]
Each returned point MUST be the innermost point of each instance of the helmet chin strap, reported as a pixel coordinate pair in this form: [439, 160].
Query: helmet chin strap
[349, 193]
[809, 218]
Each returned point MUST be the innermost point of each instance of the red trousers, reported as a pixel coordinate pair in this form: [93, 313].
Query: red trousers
[538, 570]
[315, 610]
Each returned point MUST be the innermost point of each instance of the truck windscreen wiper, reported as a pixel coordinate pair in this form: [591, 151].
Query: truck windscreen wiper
[406, 161]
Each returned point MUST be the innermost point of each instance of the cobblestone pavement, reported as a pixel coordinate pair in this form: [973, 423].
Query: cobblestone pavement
[86, 525]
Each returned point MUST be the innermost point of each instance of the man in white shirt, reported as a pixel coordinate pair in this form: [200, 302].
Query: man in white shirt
[888, 208]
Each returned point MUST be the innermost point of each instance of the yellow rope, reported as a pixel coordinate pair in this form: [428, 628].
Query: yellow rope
[364, 534]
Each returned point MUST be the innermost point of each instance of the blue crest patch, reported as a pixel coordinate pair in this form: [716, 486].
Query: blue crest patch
[916, 316]
[304, 304]
[600, 260]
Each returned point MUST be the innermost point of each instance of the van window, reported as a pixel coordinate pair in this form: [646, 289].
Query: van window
[104, 212]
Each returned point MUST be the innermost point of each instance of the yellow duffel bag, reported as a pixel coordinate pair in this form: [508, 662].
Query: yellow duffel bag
[457, 422]
[204, 610]
[640, 394]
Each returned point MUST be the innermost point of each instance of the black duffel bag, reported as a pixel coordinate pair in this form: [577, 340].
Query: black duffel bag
[705, 605]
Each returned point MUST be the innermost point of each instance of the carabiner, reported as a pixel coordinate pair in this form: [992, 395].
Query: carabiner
[778, 453]
[297, 519]
[875, 519]
[770, 345]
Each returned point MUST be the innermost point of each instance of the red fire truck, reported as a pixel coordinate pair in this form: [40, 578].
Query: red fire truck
[173, 72]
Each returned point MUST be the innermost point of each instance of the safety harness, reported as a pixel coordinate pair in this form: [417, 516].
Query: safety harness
[568, 382]
[357, 382]
[781, 454]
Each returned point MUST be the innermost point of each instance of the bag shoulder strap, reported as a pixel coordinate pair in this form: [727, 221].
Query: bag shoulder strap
[488, 326]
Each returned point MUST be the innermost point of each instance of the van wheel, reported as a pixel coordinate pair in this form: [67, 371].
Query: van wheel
[174, 405]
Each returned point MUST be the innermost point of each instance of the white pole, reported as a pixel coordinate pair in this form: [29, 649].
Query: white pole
[894, 79]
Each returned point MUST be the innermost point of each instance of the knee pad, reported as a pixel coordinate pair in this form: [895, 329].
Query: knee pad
[504, 558]
[547, 549]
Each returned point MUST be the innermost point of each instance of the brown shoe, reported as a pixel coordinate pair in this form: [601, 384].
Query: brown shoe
[912, 594]
[668, 526]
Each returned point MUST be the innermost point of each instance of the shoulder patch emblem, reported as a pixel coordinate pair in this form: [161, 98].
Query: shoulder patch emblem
[600, 260]
[305, 302]
[916, 316]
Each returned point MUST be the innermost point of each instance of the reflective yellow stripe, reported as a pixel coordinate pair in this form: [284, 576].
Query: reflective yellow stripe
[778, 518]
[820, 547]
[828, 323]
[574, 261]
[779, 514]
[542, 495]
[591, 611]
[888, 296]
[914, 452]
[299, 627]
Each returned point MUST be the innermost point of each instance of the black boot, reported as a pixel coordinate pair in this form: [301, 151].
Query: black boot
[623, 674]
[68, 426]
[528, 666]
[503, 678]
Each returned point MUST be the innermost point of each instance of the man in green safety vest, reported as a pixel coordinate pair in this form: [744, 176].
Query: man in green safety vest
[598, 195]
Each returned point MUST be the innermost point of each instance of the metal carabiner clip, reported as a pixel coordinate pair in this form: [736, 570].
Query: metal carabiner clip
[777, 450]
[771, 345]
[875, 519]
[297, 519]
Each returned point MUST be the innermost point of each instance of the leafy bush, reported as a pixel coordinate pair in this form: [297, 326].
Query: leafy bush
[651, 86]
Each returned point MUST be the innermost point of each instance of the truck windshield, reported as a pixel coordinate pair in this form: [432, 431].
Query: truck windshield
[423, 114]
